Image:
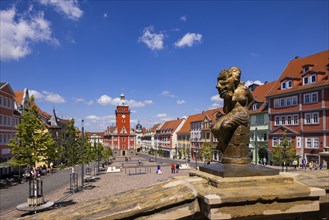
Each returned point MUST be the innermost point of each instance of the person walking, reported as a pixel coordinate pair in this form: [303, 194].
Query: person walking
[159, 172]
[172, 168]
[177, 167]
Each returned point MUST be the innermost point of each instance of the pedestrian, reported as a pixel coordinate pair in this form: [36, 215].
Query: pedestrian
[294, 163]
[264, 161]
[303, 163]
[321, 165]
[159, 172]
[177, 167]
[172, 168]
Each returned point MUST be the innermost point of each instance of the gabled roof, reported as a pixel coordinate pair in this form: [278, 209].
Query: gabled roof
[6, 86]
[19, 97]
[211, 114]
[261, 91]
[281, 129]
[294, 69]
[171, 125]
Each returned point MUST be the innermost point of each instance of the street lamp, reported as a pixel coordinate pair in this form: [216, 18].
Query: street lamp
[82, 165]
[196, 156]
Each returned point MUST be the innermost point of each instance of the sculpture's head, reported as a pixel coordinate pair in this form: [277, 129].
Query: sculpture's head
[227, 81]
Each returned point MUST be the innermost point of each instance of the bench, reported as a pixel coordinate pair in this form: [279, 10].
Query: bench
[113, 170]
[184, 167]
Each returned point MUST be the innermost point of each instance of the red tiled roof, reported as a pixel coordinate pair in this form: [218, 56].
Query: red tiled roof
[211, 114]
[260, 91]
[294, 70]
[173, 124]
[19, 96]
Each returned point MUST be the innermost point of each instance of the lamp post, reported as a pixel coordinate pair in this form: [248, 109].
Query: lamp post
[196, 157]
[256, 147]
[82, 165]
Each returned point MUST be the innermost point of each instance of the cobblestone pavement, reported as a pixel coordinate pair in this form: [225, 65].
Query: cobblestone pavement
[107, 184]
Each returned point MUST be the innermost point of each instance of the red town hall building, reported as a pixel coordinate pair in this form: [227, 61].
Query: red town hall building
[121, 138]
[299, 105]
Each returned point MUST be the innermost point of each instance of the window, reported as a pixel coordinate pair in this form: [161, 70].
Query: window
[312, 142]
[275, 141]
[254, 106]
[314, 96]
[307, 118]
[0, 100]
[286, 85]
[276, 103]
[294, 100]
[283, 85]
[312, 79]
[283, 120]
[283, 102]
[305, 80]
[312, 118]
[260, 119]
[265, 136]
[309, 79]
[299, 143]
[295, 119]
[306, 98]
[277, 120]
[289, 120]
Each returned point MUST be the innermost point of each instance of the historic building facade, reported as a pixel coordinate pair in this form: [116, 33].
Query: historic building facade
[165, 138]
[9, 119]
[299, 106]
[259, 123]
[121, 138]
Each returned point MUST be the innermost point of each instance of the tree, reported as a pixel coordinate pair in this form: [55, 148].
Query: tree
[73, 148]
[284, 152]
[206, 152]
[33, 142]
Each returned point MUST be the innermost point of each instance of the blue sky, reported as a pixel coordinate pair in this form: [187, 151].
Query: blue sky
[78, 56]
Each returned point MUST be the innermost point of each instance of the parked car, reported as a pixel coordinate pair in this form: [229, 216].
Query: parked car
[151, 160]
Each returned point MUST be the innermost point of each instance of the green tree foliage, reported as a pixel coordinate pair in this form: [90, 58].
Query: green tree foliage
[73, 148]
[284, 152]
[206, 152]
[33, 143]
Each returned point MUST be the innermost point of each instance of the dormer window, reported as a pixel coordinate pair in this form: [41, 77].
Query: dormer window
[254, 106]
[309, 79]
[286, 85]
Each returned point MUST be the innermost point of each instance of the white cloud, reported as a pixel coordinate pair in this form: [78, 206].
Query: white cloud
[92, 117]
[69, 8]
[188, 40]
[105, 15]
[107, 100]
[18, 33]
[153, 41]
[162, 115]
[104, 100]
[218, 101]
[167, 93]
[250, 82]
[53, 97]
[47, 96]
[37, 95]
[180, 101]
[183, 18]
[81, 100]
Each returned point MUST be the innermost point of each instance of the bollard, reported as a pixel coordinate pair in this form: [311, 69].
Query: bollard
[129, 172]
[140, 171]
